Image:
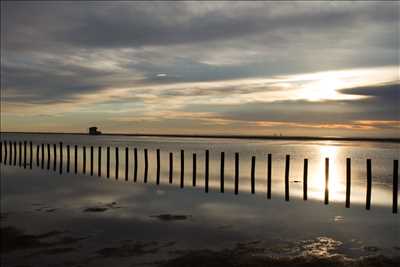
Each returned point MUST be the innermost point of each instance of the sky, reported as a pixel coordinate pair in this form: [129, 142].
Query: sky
[246, 68]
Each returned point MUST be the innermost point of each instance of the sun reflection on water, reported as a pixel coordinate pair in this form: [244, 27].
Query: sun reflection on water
[317, 179]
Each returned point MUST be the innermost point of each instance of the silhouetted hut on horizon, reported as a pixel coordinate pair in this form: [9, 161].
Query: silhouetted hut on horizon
[94, 131]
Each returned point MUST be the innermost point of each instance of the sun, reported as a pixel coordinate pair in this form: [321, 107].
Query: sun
[324, 88]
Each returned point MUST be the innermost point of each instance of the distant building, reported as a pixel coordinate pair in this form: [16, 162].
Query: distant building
[93, 131]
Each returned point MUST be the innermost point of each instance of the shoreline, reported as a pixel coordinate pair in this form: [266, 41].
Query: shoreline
[215, 136]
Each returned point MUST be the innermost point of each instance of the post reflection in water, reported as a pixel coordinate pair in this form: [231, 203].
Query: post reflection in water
[262, 168]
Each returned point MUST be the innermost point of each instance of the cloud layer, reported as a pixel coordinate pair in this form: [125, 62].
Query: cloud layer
[264, 67]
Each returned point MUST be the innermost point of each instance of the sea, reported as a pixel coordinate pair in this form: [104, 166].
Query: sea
[161, 217]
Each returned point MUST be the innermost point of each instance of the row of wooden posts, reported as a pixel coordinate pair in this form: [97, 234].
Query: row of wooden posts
[11, 154]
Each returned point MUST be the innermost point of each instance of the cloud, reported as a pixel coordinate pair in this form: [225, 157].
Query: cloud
[232, 64]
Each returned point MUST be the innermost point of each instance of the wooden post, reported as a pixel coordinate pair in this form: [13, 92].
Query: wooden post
[348, 181]
[182, 168]
[135, 158]
[171, 167]
[5, 152]
[1, 152]
[37, 156]
[30, 154]
[287, 166]
[305, 179]
[194, 171]
[222, 173]
[54, 157]
[236, 173]
[91, 160]
[326, 201]
[19, 154]
[206, 171]
[108, 162]
[146, 165]
[61, 157]
[126, 163]
[15, 153]
[116, 162]
[76, 158]
[84, 159]
[253, 174]
[24, 154]
[395, 185]
[68, 158]
[11, 152]
[158, 167]
[48, 157]
[42, 159]
[369, 185]
[99, 162]
[269, 175]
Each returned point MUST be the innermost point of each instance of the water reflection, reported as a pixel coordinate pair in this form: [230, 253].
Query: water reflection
[316, 152]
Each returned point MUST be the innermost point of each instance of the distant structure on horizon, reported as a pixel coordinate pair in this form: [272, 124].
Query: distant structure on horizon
[93, 131]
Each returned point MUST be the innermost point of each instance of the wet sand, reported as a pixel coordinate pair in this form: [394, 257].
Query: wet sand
[49, 219]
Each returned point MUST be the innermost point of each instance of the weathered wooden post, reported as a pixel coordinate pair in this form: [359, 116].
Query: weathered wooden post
[369, 185]
[287, 166]
[42, 159]
[171, 167]
[76, 159]
[222, 173]
[84, 159]
[194, 171]
[24, 154]
[158, 167]
[236, 173]
[11, 154]
[5, 152]
[326, 201]
[348, 181]
[253, 174]
[206, 171]
[182, 167]
[61, 157]
[395, 185]
[305, 179]
[269, 175]
[54, 157]
[48, 157]
[68, 158]
[126, 163]
[30, 154]
[15, 153]
[19, 154]
[135, 159]
[91, 160]
[37, 156]
[108, 162]
[99, 162]
[116, 162]
[146, 165]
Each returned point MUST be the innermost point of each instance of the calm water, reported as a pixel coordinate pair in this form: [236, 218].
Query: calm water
[105, 216]
[381, 154]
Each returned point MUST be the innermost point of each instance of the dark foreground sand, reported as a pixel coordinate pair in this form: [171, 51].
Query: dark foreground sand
[75, 220]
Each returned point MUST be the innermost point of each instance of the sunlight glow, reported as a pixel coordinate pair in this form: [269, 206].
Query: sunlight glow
[318, 184]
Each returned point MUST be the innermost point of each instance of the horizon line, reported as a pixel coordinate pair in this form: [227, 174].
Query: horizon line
[232, 136]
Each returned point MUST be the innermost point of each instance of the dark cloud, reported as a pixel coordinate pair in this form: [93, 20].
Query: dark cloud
[128, 24]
